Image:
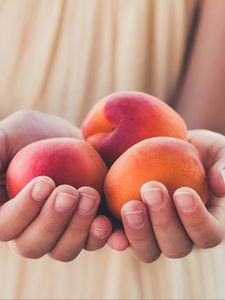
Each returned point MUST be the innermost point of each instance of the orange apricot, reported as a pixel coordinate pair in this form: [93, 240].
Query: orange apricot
[173, 162]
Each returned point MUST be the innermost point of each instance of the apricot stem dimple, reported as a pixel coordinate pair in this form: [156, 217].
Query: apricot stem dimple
[134, 116]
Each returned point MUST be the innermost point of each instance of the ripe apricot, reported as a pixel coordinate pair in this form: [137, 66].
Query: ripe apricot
[123, 119]
[171, 161]
[65, 160]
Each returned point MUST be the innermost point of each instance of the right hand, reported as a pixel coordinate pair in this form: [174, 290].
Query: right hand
[173, 225]
[42, 218]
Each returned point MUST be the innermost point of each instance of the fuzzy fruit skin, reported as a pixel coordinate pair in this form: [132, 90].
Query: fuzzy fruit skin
[65, 160]
[123, 119]
[171, 161]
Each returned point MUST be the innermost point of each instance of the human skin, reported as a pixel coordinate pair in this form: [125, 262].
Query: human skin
[172, 225]
[204, 226]
[202, 86]
[44, 219]
[201, 89]
[208, 100]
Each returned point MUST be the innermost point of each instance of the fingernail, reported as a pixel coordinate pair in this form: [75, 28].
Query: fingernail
[223, 175]
[99, 232]
[87, 203]
[185, 201]
[65, 202]
[153, 197]
[134, 218]
[41, 190]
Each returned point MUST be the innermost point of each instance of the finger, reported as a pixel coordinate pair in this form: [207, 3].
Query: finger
[211, 149]
[202, 227]
[208, 143]
[139, 232]
[169, 232]
[41, 235]
[216, 176]
[75, 236]
[17, 213]
[99, 232]
[118, 240]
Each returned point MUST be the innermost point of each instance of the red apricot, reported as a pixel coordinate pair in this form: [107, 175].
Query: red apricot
[65, 160]
[123, 119]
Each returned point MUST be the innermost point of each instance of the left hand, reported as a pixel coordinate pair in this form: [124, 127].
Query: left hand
[159, 224]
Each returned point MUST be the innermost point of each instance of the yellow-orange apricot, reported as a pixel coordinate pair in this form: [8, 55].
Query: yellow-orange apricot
[171, 161]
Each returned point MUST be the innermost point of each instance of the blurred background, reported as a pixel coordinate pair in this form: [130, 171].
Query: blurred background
[63, 56]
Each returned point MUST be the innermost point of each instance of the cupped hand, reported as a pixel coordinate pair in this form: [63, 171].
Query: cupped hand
[42, 218]
[172, 226]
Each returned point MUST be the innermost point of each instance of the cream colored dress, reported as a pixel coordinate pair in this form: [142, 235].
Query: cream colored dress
[61, 57]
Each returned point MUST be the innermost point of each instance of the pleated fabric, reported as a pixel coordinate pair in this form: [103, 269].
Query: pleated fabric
[63, 56]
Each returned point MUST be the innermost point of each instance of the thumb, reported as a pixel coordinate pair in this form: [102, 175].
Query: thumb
[25, 127]
[216, 176]
[211, 148]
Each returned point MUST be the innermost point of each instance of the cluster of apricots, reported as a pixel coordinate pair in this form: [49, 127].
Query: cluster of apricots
[129, 138]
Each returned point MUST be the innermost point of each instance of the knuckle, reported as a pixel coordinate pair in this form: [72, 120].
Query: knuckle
[94, 246]
[145, 254]
[24, 113]
[162, 223]
[27, 252]
[138, 239]
[91, 247]
[50, 229]
[210, 243]
[177, 253]
[66, 188]
[165, 221]
[196, 225]
[21, 212]
[5, 237]
[10, 234]
[80, 228]
[146, 257]
[63, 256]
[150, 257]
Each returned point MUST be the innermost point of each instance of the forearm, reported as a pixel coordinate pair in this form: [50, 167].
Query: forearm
[201, 100]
